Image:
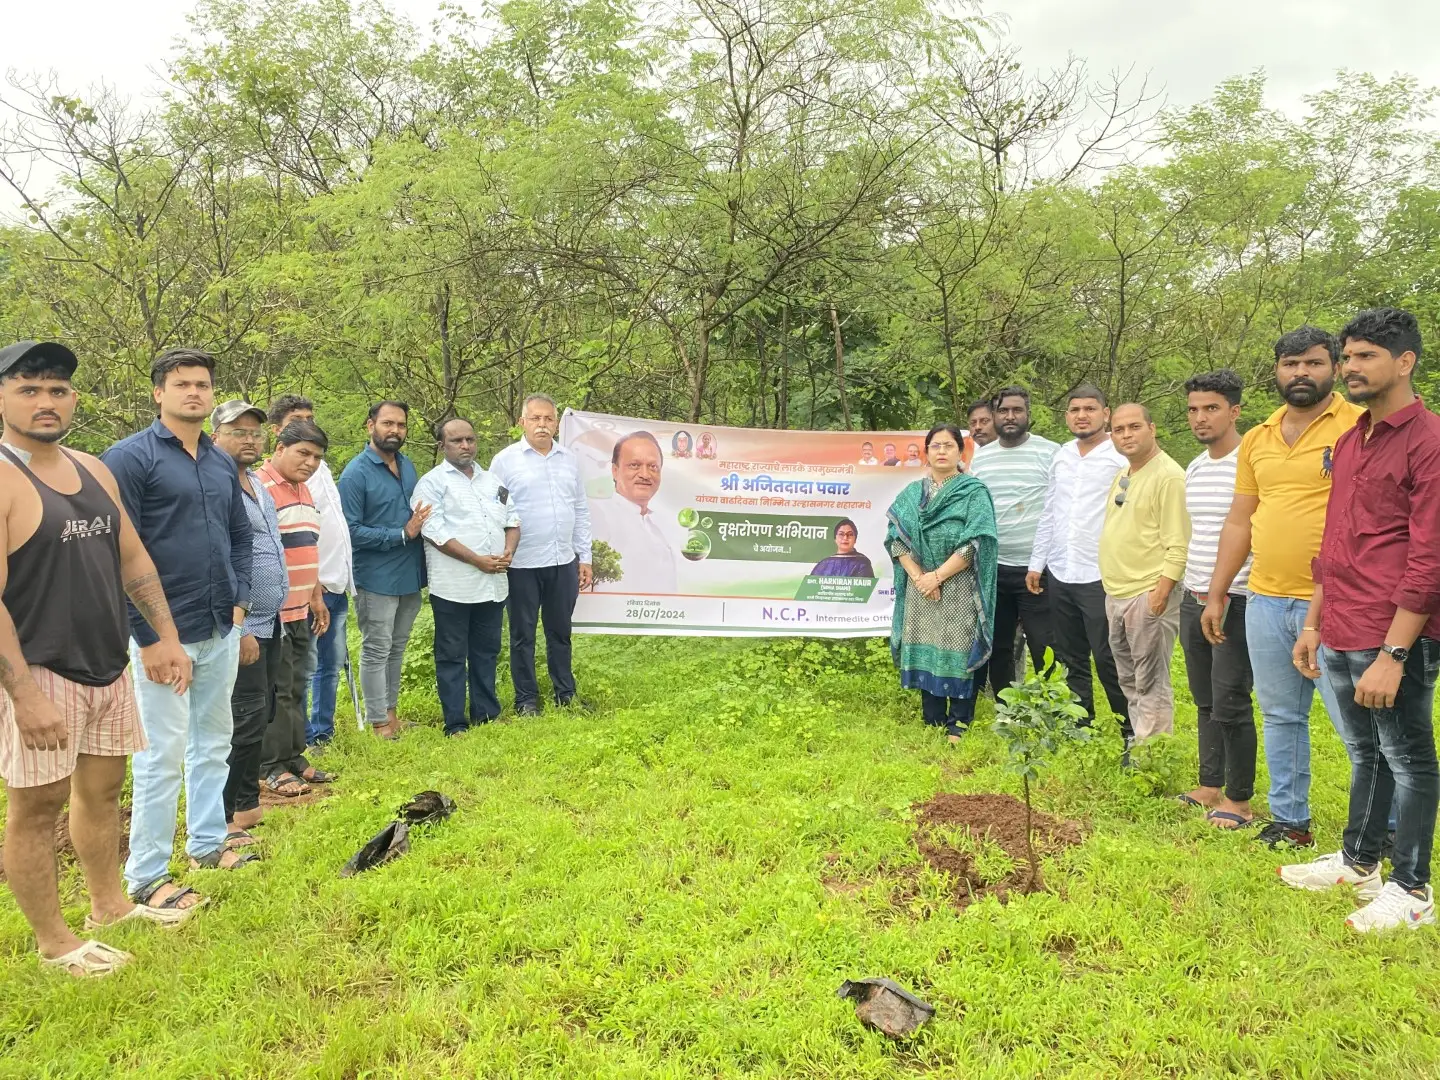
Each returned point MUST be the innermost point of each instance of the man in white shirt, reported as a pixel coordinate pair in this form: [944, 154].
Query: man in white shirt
[867, 454]
[1016, 469]
[552, 562]
[1220, 675]
[648, 548]
[470, 538]
[1065, 561]
[337, 578]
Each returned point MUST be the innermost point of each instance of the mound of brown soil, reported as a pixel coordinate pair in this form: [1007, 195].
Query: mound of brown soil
[999, 819]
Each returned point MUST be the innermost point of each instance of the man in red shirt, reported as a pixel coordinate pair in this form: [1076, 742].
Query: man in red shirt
[299, 449]
[1376, 609]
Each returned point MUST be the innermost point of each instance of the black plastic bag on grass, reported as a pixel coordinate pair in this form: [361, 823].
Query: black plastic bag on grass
[394, 840]
[388, 844]
[427, 808]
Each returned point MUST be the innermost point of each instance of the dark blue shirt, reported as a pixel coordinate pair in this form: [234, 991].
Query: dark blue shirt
[377, 506]
[190, 514]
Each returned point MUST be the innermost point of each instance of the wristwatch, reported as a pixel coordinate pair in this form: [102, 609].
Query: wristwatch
[1396, 653]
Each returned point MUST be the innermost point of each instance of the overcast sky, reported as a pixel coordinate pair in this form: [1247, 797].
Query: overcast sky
[1186, 46]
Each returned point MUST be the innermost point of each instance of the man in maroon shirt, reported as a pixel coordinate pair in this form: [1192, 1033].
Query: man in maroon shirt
[1376, 609]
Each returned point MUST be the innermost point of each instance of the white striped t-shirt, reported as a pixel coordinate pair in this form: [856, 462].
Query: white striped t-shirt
[1018, 477]
[1209, 490]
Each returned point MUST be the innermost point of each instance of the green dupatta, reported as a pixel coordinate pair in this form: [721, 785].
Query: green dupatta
[957, 513]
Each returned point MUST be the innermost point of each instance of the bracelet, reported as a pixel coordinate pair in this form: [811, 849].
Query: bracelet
[1316, 629]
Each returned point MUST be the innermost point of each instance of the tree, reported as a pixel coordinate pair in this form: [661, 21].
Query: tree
[1036, 719]
[604, 564]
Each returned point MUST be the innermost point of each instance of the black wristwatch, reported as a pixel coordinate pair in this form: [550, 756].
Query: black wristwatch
[1396, 653]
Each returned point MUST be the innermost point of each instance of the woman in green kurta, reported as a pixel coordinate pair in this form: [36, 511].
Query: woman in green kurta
[942, 538]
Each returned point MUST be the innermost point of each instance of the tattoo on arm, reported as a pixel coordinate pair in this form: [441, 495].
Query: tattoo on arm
[148, 597]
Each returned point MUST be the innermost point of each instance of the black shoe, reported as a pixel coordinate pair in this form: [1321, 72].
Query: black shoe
[1278, 834]
[574, 702]
[528, 709]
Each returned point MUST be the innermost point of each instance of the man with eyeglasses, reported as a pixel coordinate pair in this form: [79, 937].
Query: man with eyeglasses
[1142, 558]
[629, 524]
[239, 430]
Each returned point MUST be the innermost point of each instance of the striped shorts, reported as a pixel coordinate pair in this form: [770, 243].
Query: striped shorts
[102, 720]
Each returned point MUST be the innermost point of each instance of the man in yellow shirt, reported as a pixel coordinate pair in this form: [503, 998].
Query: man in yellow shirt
[1282, 483]
[1142, 558]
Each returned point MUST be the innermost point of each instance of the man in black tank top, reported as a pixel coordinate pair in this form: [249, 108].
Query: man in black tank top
[67, 718]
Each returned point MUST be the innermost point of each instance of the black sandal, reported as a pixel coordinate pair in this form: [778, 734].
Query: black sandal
[318, 776]
[287, 784]
[143, 894]
[212, 860]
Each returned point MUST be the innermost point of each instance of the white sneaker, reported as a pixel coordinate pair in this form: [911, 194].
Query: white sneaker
[1328, 871]
[1396, 906]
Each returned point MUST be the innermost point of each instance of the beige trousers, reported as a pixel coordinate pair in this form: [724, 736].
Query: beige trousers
[1143, 644]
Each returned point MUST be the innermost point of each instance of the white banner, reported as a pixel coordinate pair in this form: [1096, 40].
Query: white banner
[738, 532]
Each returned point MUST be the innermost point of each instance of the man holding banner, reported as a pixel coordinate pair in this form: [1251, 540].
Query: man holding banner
[552, 562]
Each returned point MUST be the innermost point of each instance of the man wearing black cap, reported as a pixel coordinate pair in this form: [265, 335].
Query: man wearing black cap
[182, 493]
[68, 719]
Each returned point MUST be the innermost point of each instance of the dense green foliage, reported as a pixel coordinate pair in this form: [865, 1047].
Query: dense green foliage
[789, 214]
[675, 885]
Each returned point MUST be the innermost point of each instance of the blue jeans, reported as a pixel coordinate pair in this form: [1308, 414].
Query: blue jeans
[329, 648]
[1272, 626]
[189, 738]
[1392, 755]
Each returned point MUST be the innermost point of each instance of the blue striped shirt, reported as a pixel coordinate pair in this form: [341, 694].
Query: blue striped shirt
[269, 581]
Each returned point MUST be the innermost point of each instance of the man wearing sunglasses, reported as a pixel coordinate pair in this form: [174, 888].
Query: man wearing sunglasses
[1142, 558]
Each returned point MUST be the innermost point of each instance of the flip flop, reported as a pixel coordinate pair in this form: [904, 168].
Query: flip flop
[1186, 800]
[240, 838]
[318, 776]
[94, 959]
[1226, 815]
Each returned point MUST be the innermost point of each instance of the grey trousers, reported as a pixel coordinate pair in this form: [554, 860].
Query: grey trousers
[385, 623]
[1142, 644]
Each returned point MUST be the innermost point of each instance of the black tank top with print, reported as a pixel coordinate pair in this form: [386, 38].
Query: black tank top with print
[64, 591]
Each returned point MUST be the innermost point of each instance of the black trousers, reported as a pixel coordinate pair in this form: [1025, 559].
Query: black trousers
[1220, 682]
[467, 644]
[547, 592]
[284, 749]
[1015, 605]
[953, 714]
[252, 704]
[1082, 630]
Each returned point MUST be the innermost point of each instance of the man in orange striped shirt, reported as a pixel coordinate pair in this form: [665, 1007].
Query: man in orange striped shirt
[299, 449]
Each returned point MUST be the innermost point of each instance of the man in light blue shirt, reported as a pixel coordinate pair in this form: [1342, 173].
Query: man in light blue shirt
[552, 562]
[470, 538]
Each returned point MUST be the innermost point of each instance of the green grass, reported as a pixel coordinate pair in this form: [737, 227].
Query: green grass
[676, 885]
